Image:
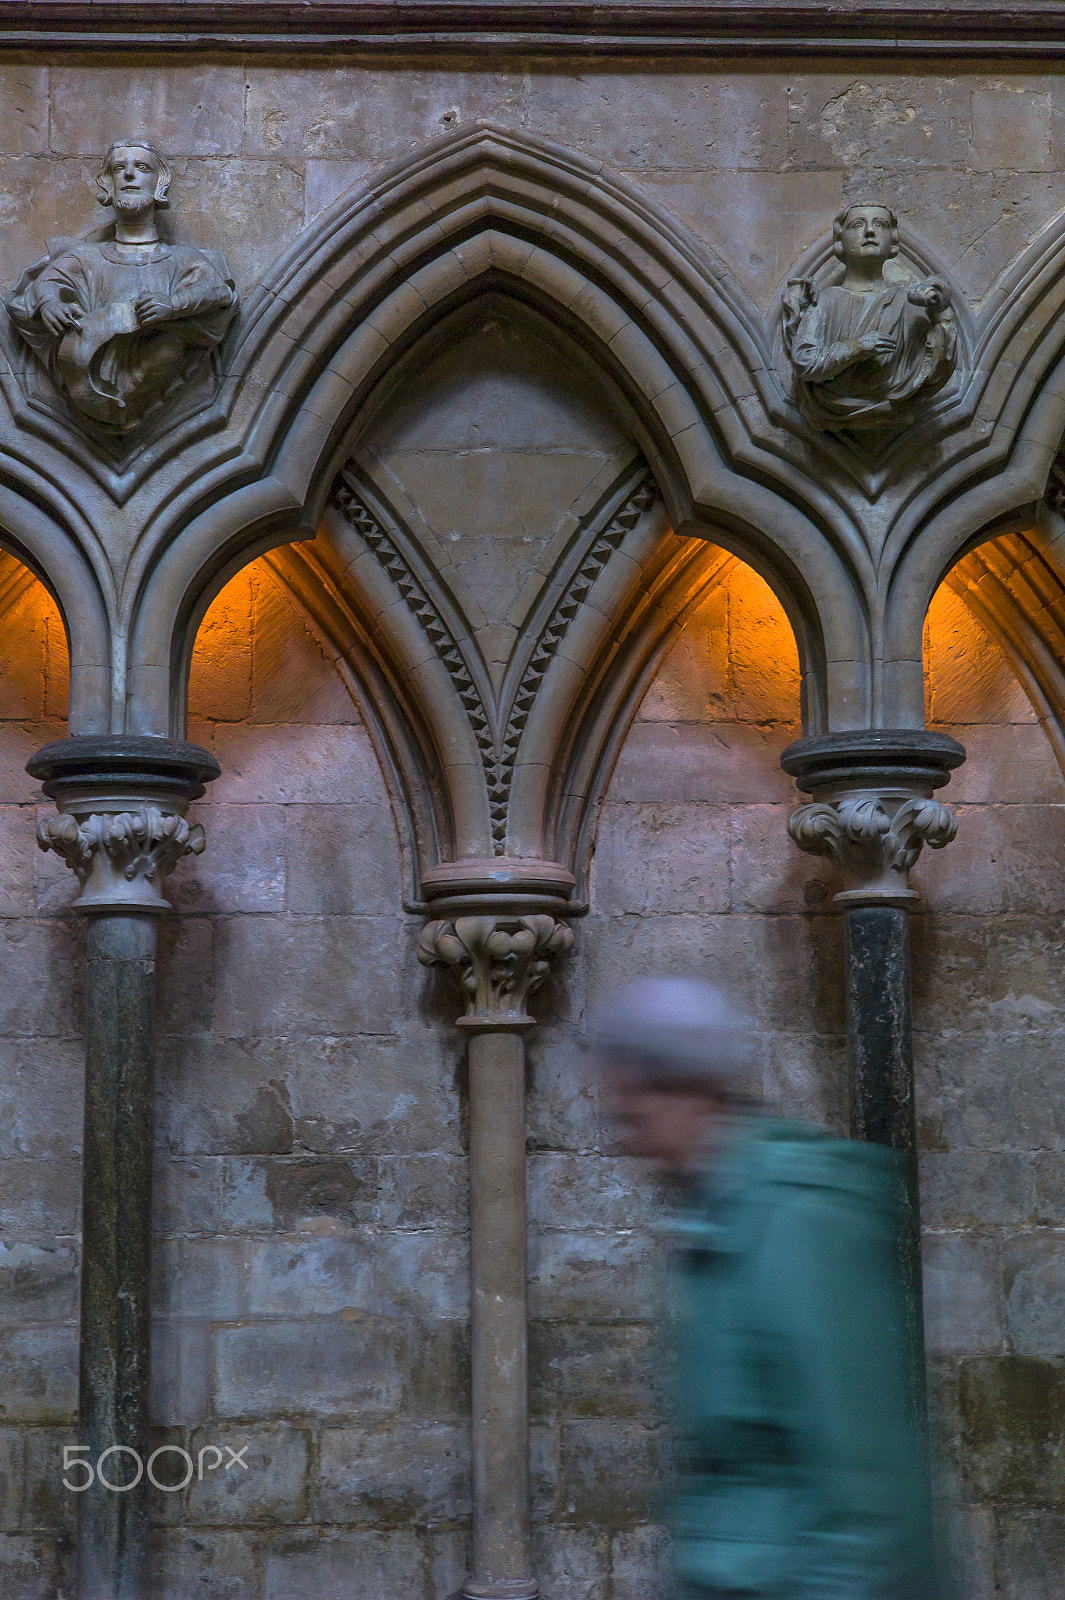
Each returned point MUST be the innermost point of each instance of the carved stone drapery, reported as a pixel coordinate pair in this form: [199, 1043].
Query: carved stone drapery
[121, 320]
[121, 857]
[863, 348]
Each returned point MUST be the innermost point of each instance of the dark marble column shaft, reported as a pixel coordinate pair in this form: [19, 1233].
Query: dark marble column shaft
[113, 1529]
[872, 812]
[880, 1071]
[121, 828]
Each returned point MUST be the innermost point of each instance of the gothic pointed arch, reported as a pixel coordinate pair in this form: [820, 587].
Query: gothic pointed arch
[856, 556]
[1014, 585]
[486, 209]
[996, 464]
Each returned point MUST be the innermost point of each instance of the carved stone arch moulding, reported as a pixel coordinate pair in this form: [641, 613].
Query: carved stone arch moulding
[589, 721]
[1014, 585]
[400, 733]
[656, 312]
[652, 306]
[83, 594]
[460, 687]
[1009, 430]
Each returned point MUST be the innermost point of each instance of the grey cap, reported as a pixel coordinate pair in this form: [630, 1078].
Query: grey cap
[675, 1028]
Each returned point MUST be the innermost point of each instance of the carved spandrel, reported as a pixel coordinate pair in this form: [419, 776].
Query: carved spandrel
[498, 750]
[864, 347]
[121, 320]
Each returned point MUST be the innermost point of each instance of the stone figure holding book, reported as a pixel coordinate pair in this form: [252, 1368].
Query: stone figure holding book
[123, 320]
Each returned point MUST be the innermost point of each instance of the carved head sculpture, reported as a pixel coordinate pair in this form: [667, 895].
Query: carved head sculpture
[122, 321]
[865, 231]
[864, 346]
[133, 177]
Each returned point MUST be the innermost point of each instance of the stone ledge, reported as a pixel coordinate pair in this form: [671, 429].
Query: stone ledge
[1029, 29]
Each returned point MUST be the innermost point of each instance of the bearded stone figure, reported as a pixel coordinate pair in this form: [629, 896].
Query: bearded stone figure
[122, 320]
[864, 347]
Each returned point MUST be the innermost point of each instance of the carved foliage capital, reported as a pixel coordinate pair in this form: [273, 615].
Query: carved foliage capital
[498, 961]
[873, 839]
[121, 858]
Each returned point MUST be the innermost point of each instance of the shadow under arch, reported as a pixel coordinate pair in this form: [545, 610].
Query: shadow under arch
[677, 578]
[316, 589]
[588, 728]
[417, 708]
[487, 208]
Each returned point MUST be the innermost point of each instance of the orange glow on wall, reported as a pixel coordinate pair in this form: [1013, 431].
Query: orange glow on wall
[736, 656]
[34, 659]
[257, 660]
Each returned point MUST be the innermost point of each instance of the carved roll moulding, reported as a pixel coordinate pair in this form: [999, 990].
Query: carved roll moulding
[122, 802]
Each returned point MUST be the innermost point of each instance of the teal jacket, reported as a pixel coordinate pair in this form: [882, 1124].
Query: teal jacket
[801, 1466]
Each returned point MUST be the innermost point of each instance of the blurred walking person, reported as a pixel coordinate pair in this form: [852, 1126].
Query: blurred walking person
[801, 1463]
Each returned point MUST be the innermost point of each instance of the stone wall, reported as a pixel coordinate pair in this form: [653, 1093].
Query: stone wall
[41, 1077]
[313, 1281]
[311, 1191]
[311, 1183]
[754, 162]
[989, 1046]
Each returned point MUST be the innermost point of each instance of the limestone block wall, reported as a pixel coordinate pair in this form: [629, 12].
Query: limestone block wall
[988, 1015]
[41, 1073]
[755, 162]
[311, 1190]
[311, 1266]
[310, 1271]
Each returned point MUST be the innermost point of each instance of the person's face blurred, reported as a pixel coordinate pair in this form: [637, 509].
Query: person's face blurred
[667, 1125]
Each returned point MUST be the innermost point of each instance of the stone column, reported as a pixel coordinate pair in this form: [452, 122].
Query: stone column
[121, 828]
[497, 926]
[872, 812]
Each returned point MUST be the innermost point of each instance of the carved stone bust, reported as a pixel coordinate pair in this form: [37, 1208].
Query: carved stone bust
[863, 348]
[122, 320]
